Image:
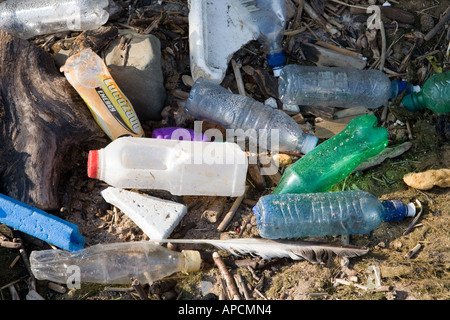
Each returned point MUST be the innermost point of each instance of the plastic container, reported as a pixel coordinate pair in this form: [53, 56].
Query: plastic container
[267, 19]
[40, 224]
[26, 19]
[211, 101]
[334, 159]
[176, 133]
[113, 263]
[435, 95]
[215, 34]
[111, 109]
[341, 87]
[180, 167]
[287, 216]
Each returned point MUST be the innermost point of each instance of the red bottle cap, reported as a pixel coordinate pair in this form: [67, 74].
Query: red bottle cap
[92, 169]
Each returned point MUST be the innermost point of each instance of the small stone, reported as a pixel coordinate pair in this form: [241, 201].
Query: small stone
[136, 68]
[426, 23]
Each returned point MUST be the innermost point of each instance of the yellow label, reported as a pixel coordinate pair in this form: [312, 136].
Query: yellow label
[111, 109]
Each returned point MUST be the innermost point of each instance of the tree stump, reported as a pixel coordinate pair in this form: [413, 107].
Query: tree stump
[41, 119]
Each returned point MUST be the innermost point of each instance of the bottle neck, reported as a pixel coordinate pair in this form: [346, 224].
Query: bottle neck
[395, 210]
[414, 101]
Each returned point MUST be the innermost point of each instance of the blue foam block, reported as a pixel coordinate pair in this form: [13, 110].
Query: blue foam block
[40, 224]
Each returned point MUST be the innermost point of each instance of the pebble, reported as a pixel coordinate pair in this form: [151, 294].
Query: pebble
[426, 22]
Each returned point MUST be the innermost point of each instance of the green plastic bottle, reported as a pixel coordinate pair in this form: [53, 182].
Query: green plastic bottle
[331, 161]
[435, 95]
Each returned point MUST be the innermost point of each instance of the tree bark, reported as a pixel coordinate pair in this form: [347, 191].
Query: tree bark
[41, 118]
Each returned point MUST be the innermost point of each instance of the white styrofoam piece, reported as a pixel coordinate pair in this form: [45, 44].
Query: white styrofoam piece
[156, 217]
[215, 34]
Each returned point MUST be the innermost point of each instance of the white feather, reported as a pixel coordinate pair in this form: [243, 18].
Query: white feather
[314, 252]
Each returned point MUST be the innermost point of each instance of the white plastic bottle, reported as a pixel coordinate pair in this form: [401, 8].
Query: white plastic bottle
[113, 263]
[178, 166]
[26, 19]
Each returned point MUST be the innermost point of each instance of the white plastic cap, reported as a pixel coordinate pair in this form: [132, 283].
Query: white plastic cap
[277, 72]
[309, 143]
[415, 89]
[410, 210]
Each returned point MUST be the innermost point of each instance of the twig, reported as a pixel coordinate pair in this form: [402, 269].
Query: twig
[139, 290]
[231, 284]
[230, 214]
[416, 218]
[413, 251]
[438, 26]
[242, 287]
[238, 77]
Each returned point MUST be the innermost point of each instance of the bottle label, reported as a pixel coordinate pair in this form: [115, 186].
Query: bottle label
[111, 109]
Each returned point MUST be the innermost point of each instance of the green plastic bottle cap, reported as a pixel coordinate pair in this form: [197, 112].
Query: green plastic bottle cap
[411, 102]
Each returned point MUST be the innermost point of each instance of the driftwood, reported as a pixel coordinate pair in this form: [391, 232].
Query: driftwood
[41, 119]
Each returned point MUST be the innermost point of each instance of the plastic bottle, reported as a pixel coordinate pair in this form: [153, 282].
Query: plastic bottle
[210, 101]
[26, 19]
[267, 18]
[113, 263]
[178, 166]
[287, 216]
[435, 95]
[40, 224]
[335, 158]
[336, 86]
[111, 109]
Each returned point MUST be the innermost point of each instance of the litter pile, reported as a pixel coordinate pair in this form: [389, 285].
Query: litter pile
[166, 115]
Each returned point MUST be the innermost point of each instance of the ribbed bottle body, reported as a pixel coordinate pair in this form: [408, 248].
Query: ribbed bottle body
[288, 216]
[333, 86]
[260, 123]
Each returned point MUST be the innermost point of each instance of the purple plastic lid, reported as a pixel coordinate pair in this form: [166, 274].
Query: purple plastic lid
[177, 133]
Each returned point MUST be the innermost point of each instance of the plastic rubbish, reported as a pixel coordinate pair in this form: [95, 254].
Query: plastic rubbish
[334, 159]
[210, 101]
[156, 217]
[176, 133]
[434, 95]
[113, 263]
[88, 74]
[267, 19]
[215, 34]
[337, 86]
[287, 216]
[26, 19]
[40, 224]
[180, 167]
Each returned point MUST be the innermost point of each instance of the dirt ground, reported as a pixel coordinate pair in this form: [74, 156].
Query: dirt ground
[423, 276]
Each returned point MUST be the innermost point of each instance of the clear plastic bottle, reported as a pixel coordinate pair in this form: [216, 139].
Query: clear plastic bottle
[334, 159]
[435, 95]
[210, 101]
[179, 166]
[267, 19]
[26, 19]
[113, 263]
[335, 86]
[288, 216]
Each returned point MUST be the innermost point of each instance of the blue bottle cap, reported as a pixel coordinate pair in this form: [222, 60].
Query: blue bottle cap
[276, 61]
[395, 210]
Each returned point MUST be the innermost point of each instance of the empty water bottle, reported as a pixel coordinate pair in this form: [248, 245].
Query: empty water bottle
[210, 101]
[267, 19]
[288, 216]
[26, 19]
[335, 158]
[435, 95]
[113, 263]
[336, 86]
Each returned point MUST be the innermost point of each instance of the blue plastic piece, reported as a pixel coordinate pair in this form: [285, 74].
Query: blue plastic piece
[40, 224]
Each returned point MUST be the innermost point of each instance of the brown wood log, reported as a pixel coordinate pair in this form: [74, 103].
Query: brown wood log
[41, 119]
